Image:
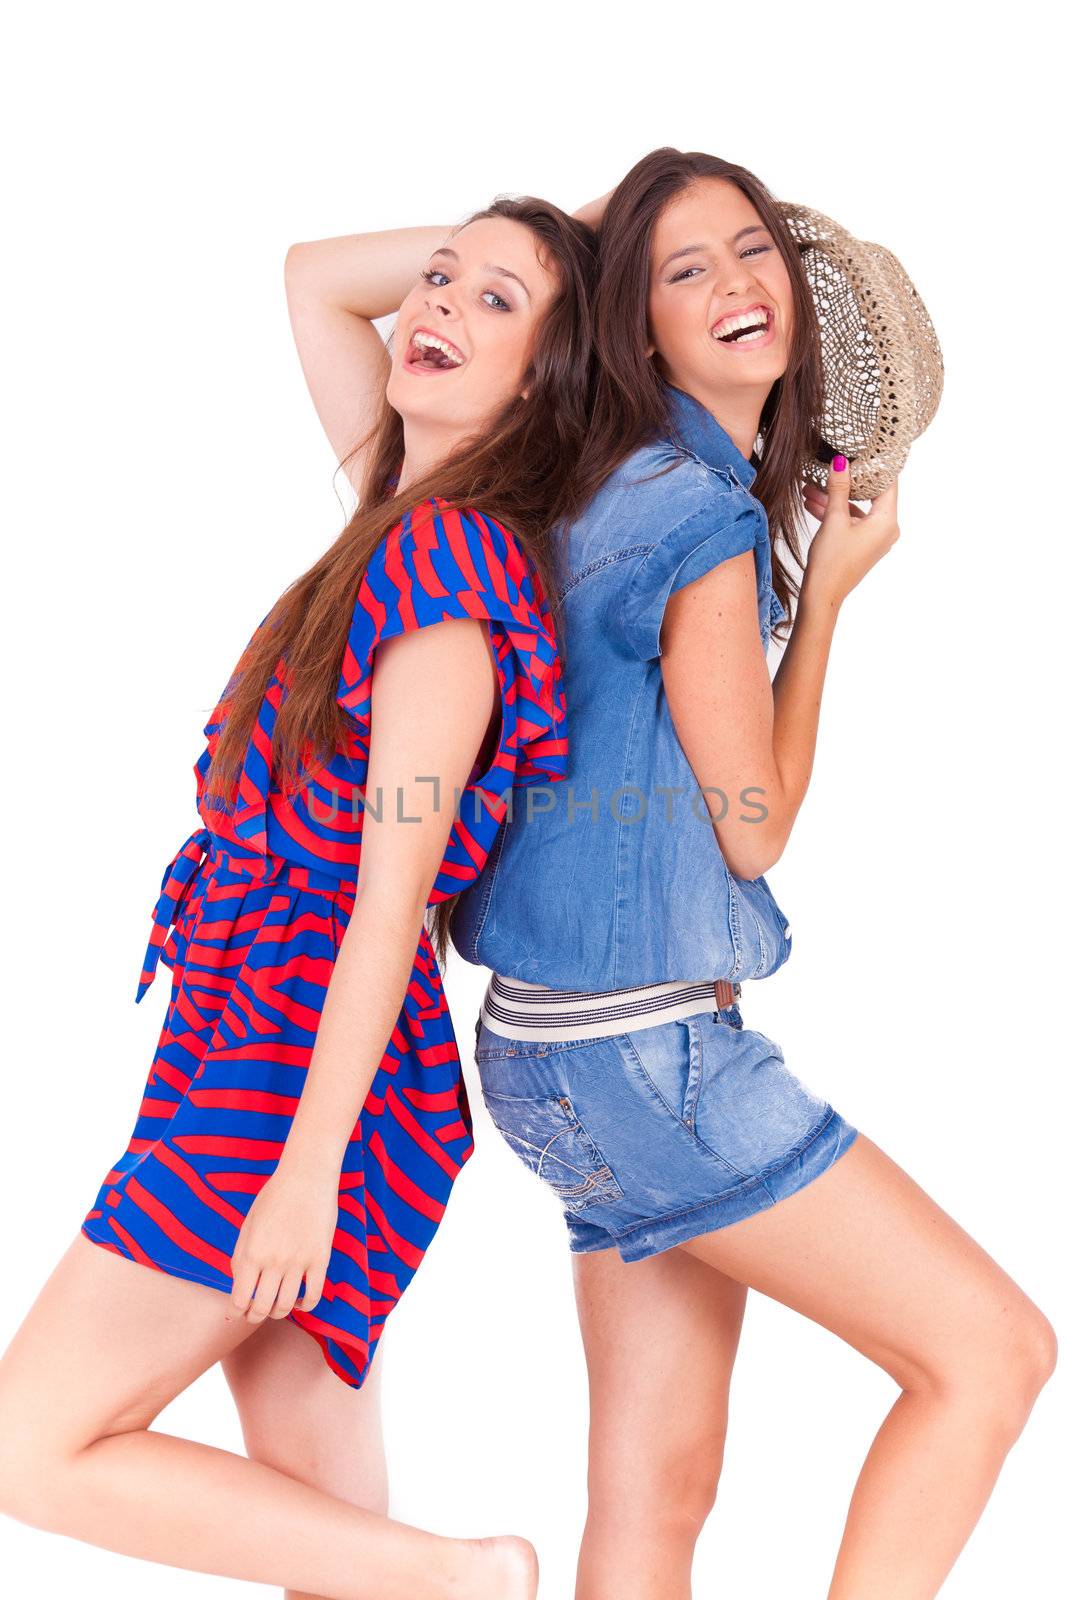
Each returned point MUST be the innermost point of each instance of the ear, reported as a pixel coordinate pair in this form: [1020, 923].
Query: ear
[650, 351]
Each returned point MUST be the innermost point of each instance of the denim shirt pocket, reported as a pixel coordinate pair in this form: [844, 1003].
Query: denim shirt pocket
[759, 929]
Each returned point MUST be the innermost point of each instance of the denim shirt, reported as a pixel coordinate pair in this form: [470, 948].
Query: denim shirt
[614, 877]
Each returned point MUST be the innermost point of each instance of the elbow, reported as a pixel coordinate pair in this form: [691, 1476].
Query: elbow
[299, 262]
[294, 260]
[750, 857]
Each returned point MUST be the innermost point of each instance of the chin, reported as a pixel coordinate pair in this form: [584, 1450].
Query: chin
[410, 401]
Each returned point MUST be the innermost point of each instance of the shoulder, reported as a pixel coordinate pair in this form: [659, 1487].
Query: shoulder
[439, 524]
[657, 490]
[443, 560]
[447, 547]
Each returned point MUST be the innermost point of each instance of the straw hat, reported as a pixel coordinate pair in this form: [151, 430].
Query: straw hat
[882, 361]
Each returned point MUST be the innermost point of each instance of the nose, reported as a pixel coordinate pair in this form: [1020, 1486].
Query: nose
[437, 301]
[735, 280]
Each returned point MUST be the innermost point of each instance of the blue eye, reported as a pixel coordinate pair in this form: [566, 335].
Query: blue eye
[430, 276]
[501, 303]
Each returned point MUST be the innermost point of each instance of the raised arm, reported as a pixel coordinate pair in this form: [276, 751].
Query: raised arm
[335, 288]
[752, 740]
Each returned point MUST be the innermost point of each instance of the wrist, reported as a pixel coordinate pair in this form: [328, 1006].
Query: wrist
[818, 601]
[313, 1162]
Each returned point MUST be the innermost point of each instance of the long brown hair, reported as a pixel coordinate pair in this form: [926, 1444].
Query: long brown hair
[632, 405]
[519, 470]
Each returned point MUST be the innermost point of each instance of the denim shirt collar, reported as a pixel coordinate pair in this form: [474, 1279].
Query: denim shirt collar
[705, 437]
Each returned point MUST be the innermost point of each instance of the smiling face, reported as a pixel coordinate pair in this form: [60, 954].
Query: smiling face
[465, 334]
[720, 308]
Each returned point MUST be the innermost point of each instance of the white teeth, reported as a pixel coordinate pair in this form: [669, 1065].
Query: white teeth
[430, 341]
[758, 319]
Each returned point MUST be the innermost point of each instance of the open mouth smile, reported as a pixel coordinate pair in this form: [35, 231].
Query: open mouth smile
[745, 329]
[430, 352]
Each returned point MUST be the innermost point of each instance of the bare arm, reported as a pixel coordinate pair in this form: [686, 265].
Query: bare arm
[743, 736]
[335, 288]
[593, 210]
[433, 698]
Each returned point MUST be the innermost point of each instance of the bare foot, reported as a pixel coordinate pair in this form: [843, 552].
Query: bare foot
[507, 1570]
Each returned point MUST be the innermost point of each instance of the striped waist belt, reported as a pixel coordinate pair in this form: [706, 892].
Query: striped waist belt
[204, 852]
[519, 1010]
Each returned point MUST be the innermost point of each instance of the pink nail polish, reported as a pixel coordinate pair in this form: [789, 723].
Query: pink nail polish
[840, 463]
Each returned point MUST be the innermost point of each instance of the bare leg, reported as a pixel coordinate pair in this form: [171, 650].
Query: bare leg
[298, 1416]
[660, 1339]
[107, 1344]
[864, 1251]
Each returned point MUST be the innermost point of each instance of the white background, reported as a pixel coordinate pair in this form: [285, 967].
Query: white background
[165, 477]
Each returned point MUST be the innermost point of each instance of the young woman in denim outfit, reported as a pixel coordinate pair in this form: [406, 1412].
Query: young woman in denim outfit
[690, 1160]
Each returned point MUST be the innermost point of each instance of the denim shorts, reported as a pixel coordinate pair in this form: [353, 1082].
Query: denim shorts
[655, 1136]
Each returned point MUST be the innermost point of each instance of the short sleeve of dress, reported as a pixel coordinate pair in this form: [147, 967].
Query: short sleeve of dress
[728, 525]
[441, 562]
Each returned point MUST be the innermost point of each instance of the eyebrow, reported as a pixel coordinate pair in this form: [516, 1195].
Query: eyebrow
[489, 267]
[694, 249]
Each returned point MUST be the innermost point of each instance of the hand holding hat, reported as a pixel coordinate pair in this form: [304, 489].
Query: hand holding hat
[849, 540]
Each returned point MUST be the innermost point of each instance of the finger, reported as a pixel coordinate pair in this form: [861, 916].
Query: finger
[266, 1292]
[314, 1284]
[838, 480]
[244, 1284]
[287, 1293]
[887, 500]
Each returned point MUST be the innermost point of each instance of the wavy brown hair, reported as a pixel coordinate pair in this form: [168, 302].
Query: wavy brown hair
[632, 407]
[519, 470]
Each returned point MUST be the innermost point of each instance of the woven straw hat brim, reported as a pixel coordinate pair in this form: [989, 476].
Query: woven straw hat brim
[882, 361]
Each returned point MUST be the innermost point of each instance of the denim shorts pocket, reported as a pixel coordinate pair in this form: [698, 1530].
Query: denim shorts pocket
[547, 1136]
[669, 1056]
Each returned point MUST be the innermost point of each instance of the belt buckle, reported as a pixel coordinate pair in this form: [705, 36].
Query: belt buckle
[725, 994]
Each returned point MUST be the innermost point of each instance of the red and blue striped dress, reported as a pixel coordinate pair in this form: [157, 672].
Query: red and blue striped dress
[252, 911]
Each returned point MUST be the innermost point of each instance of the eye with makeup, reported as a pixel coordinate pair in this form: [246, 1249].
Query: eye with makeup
[431, 275]
[752, 250]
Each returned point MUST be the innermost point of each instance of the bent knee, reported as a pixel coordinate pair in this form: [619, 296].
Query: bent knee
[39, 1454]
[1003, 1367]
[31, 1469]
[1020, 1359]
[1037, 1352]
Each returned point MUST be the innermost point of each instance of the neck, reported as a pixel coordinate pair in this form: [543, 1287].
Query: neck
[737, 411]
[424, 449]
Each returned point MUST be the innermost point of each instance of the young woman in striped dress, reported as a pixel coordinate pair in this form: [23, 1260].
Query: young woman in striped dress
[304, 1116]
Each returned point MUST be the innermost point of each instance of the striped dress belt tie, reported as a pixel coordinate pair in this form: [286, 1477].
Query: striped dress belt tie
[177, 880]
[515, 1009]
[228, 873]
